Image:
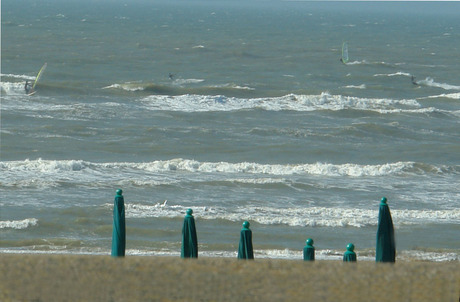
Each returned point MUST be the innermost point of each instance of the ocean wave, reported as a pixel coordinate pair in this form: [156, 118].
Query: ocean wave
[292, 102]
[454, 96]
[49, 173]
[430, 82]
[127, 87]
[294, 216]
[365, 62]
[12, 88]
[17, 76]
[399, 73]
[180, 86]
[362, 86]
[19, 224]
[187, 81]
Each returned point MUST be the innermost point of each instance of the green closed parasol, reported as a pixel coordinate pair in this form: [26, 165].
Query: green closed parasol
[386, 247]
[119, 226]
[189, 238]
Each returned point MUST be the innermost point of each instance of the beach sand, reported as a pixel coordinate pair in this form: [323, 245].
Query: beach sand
[44, 278]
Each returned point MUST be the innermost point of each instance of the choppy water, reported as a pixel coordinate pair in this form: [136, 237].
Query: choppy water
[260, 122]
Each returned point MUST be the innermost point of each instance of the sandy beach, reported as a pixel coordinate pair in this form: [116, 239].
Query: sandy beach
[102, 278]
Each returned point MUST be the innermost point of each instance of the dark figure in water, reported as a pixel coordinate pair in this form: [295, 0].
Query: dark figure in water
[171, 76]
[413, 80]
[28, 87]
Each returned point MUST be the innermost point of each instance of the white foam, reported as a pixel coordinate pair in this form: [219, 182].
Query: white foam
[428, 256]
[454, 96]
[362, 86]
[187, 81]
[12, 88]
[19, 224]
[51, 173]
[294, 216]
[399, 73]
[126, 86]
[325, 101]
[17, 76]
[430, 82]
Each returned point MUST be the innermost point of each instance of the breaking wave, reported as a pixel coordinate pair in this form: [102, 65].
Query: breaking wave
[52, 173]
[430, 82]
[294, 216]
[18, 224]
[292, 102]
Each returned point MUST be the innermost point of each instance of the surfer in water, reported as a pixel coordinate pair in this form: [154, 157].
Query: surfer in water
[171, 76]
[28, 87]
[414, 81]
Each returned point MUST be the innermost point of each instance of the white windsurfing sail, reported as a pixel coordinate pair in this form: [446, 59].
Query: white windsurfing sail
[345, 52]
[40, 73]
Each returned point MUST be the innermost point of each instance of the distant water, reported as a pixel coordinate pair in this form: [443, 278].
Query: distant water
[238, 110]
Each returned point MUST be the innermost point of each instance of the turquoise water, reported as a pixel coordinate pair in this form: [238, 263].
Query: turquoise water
[259, 121]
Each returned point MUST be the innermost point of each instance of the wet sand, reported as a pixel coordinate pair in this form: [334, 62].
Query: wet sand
[44, 278]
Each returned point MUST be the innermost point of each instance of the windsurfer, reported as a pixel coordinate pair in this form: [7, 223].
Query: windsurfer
[413, 80]
[28, 87]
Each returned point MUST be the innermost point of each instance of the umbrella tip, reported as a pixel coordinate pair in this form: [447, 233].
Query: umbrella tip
[119, 191]
[350, 247]
[384, 200]
[189, 212]
[246, 224]
[309, 241]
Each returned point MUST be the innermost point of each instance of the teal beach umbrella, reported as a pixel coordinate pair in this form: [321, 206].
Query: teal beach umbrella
[245, 250]
[309, 251]
[350, 255]
[189, 239]
[119, 226]
[386, 248]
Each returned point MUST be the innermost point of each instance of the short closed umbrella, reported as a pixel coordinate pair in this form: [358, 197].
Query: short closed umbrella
[119, 226]
[350, 255]
[245, 250]
[309, 250]
[189, 238]
[386, 247]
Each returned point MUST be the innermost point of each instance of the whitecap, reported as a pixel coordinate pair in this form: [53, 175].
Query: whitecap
[291, 102]
[430, 82]
[18, 224]
[294, 216]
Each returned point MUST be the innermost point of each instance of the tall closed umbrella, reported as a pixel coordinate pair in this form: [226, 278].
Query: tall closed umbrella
[309, 251]
[189, 239]
[350, 255]
[386, 248]
[119, 226]
[245, 250]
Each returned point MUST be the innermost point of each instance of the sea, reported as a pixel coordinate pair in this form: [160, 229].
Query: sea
[238, 110]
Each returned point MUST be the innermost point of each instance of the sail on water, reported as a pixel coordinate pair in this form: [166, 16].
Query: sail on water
[344, 53]
[39, 75]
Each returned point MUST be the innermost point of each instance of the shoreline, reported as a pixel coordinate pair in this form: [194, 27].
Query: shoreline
[446, 256]
[44, 277]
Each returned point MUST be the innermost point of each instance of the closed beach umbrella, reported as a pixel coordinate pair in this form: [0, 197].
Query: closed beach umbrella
[119, 226]
[309, 251]
[245, 250]
[386, 248]
[189, 239]
[350, 255]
